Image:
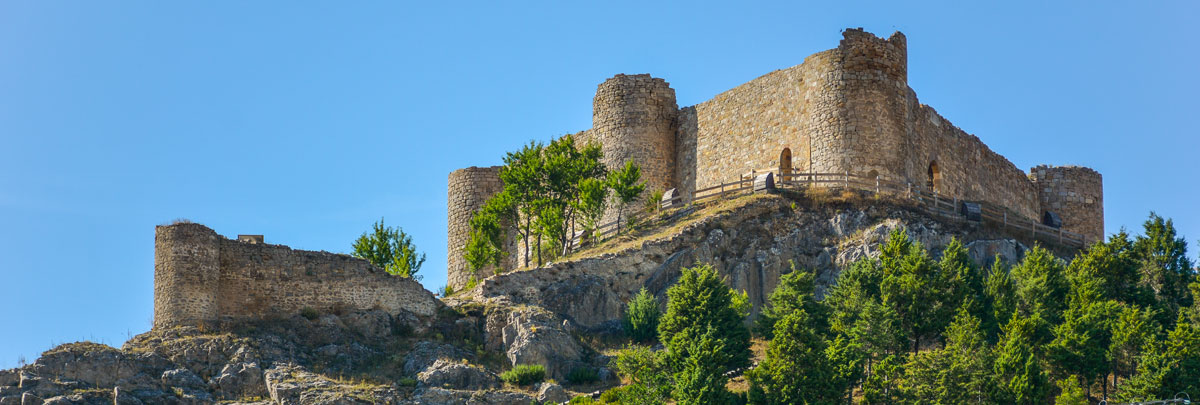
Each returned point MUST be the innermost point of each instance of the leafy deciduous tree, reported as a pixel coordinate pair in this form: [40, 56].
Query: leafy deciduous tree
[390, 249]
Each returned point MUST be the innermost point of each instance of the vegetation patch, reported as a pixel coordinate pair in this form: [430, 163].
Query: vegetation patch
[524, 374]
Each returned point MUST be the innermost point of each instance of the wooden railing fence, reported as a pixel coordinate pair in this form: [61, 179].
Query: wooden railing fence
[947, 208]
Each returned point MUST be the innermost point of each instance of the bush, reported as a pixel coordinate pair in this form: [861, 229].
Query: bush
[524, 374]
[407, 382]
[641, 317]
[614, 396]
[583, 375]
[581, 400]
[309, 313]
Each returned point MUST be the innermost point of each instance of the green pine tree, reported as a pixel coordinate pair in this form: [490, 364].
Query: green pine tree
[1018, 365]
[699, 300]
[796, 291]
[796, 369]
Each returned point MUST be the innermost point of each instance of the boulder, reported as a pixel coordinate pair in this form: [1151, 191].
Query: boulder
[552, 393]
[434, 395]
[240, 380]
[534, 336]
[449, 374]
[181, 378]
[425, 353]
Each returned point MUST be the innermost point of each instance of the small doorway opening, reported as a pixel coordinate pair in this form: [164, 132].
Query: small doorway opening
[785, 164]
[934, 180]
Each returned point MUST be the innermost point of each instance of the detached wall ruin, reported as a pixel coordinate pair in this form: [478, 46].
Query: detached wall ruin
[202, 277]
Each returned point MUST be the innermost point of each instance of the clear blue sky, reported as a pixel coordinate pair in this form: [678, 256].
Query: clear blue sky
[306, 121]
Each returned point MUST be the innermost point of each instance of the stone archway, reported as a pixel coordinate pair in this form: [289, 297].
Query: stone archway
[785, 164]
[933, 180]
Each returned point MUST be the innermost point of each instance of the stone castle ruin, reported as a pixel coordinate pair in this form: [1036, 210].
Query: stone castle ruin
[201, 277]
[844, 110]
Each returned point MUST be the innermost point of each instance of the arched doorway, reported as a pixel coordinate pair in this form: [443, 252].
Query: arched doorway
[785, 164]
[934, 180]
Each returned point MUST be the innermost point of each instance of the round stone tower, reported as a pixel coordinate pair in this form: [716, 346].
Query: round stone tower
[634, 118]
[467, 190]
[1075, 194]
[187, 263]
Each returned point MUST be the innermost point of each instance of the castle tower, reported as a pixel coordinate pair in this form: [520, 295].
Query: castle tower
[186, 274]
[872, 135]
[467, 190]
[633, 117]
[1075, 194]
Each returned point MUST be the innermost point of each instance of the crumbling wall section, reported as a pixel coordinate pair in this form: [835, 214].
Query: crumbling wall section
[202, 277]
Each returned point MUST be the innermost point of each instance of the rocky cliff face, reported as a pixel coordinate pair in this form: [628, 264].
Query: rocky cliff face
[752, 245]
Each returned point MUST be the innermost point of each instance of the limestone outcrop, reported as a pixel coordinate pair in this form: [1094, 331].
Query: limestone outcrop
[752, 246]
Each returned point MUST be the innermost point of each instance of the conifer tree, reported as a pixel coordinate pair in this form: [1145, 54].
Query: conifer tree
[910, 287]
[700, 300]
[1018, 365]
[794, 292]
[961, 283]
[1041, 288]
[958, 373]
[1070, 393]
[796, 369]
[1001, 294]
[1132, 332]
[1164, 266]
[701, 377]
[1081, 342]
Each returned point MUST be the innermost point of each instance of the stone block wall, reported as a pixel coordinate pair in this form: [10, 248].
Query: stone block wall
[202, 277]
[1076, 194]
[468, 190]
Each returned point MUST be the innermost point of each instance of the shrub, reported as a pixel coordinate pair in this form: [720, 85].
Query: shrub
[524, 374]
[583, 375]
[581, 400]
[641, 317]
[615, 395]
[309, 313]
[407, 382]
[648, 375]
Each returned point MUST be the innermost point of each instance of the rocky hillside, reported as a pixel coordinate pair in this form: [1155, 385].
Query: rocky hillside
[752, 241]
[562, 316]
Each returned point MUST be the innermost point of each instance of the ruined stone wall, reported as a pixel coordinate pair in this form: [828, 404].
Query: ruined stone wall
[468, 189]
[1076, 194]
[633, 117]
[203, 277]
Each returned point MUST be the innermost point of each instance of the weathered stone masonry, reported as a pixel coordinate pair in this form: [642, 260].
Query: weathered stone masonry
[847, 109]
[202, 277]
